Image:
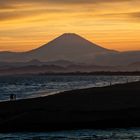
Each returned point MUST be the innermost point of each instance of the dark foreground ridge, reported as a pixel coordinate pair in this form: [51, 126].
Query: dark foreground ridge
[113, 106]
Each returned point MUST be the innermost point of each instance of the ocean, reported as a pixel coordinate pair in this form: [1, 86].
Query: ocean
[30, 86]
[91, 134]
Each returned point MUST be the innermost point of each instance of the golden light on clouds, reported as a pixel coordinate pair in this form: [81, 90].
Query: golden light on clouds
[27, 24]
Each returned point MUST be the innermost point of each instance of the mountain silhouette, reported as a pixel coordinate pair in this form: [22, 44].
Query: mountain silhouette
[119, 58]
[70, 47]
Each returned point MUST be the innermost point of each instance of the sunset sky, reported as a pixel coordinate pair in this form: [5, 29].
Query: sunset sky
[27, 24]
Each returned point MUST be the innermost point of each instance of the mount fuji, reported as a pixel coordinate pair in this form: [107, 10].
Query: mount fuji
[68, 47]
[72, 48]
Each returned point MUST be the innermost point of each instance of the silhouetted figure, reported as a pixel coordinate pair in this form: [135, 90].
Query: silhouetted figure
[12, 97]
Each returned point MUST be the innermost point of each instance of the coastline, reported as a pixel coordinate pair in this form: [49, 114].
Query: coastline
[100, 107]
[98, 73]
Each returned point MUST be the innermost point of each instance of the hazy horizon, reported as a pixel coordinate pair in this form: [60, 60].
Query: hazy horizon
[113, 24]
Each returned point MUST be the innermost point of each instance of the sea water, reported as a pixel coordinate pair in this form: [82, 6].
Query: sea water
[29, 86]
[91, 134]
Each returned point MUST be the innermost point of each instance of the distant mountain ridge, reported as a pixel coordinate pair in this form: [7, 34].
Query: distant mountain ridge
[71, 47]
[120, 58]
[61, 68]
[36, 62]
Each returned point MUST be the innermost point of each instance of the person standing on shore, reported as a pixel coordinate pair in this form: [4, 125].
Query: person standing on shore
[12, 97]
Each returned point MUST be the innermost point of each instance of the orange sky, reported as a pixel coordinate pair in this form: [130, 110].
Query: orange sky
[27, 24]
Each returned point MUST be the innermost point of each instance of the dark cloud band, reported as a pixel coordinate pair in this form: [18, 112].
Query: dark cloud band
[12, 2]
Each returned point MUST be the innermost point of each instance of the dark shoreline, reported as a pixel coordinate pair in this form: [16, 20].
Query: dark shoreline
[108, 73]
[98, 73]
[102, 107]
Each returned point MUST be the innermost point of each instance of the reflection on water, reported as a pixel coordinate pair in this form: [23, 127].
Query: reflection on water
[33, 86]
[112, 134]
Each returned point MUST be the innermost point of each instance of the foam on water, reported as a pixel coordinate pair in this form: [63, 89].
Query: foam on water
[109, 134]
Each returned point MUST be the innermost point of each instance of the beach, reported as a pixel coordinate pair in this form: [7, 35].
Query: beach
[99, 107]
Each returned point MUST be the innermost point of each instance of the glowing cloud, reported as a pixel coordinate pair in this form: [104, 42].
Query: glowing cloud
[27, 24]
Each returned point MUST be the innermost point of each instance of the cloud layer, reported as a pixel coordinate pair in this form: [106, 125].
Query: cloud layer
[110, 20]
